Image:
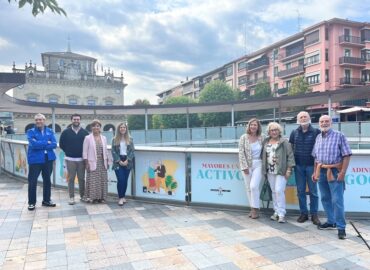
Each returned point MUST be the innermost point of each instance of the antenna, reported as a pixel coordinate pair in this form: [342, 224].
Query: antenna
[69, 44]
[298, 20]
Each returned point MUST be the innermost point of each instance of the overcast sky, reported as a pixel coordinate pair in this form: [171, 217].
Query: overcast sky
[157, 44]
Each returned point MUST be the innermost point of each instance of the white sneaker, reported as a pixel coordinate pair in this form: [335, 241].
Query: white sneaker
[281, 219]
[120, 201]
[274, 217]
[71, 201]
[124, 200]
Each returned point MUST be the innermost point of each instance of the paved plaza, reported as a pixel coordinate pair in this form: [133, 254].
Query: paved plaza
[153, 236]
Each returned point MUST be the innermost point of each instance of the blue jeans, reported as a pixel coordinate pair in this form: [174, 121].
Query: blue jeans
[332, 198]
[303, 177]
[34, 171]
[122, 174]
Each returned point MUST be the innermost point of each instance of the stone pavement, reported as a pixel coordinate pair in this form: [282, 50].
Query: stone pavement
[153, 236]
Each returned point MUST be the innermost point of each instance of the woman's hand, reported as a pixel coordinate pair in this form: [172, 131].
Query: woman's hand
[246, 171]
[288, 174]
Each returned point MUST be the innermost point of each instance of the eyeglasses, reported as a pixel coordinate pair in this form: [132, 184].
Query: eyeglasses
[274, 130]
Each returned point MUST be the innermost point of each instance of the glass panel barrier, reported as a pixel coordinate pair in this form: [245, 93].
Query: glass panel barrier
[198, 134]
[153, 136]
[228, 133]
[350, 129]
[213, 133]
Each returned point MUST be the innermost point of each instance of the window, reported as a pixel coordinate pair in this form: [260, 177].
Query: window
[276, 71]
[326, 54]
[301, 62]
[242, 65]
[312, 38]
[255, 77]
[313, 59]
[326, 34]
[326, 75]
[288, 84]
[314, 79]
[265, 74]
[365, 35]
[108, 102]
[347, 73]
[33, 99]
[347, 34]
[288, 66]
[347, 52]
[242, 80]
[275, 54]
[72, 101]
[53, 100]
[229, 71]
[276, 87]
[196, 83]
[91, 102]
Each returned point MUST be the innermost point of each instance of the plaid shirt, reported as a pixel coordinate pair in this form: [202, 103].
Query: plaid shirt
[331, 148]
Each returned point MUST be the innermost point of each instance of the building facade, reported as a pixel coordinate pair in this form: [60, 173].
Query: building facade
[68, 78]
[330, 55]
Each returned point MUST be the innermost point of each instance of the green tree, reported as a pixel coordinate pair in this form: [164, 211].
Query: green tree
[176, 120]
[216, 91]
[262, 90]
[299, 86]
[39, 6]
[137, 122]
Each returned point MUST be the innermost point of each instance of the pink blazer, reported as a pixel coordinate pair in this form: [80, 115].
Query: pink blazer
[89, 152]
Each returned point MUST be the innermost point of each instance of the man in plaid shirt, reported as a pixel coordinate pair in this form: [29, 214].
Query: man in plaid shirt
[332, 154]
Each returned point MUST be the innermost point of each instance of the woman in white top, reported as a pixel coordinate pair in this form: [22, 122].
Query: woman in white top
[250, 146]
[123, 158]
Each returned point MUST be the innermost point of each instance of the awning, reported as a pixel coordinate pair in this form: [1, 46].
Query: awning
[354, 109]
[255, 58]
[292, 42]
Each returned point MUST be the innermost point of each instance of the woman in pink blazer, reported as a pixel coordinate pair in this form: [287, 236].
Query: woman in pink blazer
[97, 161]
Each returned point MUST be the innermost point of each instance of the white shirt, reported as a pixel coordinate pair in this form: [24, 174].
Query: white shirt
[123, 148]
[256, 149]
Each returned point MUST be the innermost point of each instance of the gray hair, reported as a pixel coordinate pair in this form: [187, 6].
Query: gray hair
[40, 116]
[274, 125]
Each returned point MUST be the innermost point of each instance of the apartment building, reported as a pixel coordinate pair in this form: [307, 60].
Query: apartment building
[331, 55]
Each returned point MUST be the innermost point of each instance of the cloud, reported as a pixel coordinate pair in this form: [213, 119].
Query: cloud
[156, 44]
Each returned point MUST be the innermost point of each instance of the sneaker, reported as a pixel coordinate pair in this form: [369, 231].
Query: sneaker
[342, 234]
[326, 226]
[315, 219]
[31, 207]
[48, 204]
[274, 217]
[124, 200]
[120, 202]
[302, 218]
[281, 219]
[71, 201]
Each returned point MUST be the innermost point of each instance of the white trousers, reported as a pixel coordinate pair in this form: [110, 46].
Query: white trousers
[278, 184]
[253, 182]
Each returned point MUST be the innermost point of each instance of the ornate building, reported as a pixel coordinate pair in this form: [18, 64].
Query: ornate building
[68, 78]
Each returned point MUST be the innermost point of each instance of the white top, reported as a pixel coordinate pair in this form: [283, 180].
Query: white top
[271, 158]
[123, 148]
[256, 149]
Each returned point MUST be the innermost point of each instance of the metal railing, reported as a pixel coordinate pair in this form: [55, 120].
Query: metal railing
[351, 60]
[291, 71]
[350, 39]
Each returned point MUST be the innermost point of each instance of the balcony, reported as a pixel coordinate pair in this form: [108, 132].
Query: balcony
[259, 80]
[293, 53]
[349, 81]
[351, 61]
[351, 40]
[282, 91]
[292, 71]
[259, 63]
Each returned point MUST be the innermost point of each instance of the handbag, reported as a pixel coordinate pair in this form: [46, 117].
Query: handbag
[266, 193]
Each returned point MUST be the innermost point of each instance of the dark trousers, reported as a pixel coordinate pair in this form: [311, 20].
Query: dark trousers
[122, 178]
[34, 171]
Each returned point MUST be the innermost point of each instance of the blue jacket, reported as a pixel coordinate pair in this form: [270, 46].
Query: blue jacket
[38, 145]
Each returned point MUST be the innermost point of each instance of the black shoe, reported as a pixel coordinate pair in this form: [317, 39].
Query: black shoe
[326, 226]
[48, 204]
[302, 218]
[31, 207]
[342, 234]
[315, 219]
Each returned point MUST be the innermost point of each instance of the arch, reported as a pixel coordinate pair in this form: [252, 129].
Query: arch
[29, 126]
[57, 128]
[108, 127]
[88, 127]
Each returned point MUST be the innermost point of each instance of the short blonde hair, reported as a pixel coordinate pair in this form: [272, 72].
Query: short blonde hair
[40, 116]
[274, 125]
[95, 122]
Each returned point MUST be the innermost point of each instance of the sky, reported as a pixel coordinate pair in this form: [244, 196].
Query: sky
[158, 44]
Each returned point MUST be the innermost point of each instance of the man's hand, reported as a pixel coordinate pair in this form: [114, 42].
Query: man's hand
[314, 179]
[341, 176]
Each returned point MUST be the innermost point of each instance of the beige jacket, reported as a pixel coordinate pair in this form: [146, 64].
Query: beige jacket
[245, 152]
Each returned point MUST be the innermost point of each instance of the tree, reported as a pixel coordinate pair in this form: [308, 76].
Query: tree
[299, 86]
[137, 122]
[262, 90]
[175, 120]
[216, 91]
[39, 6]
